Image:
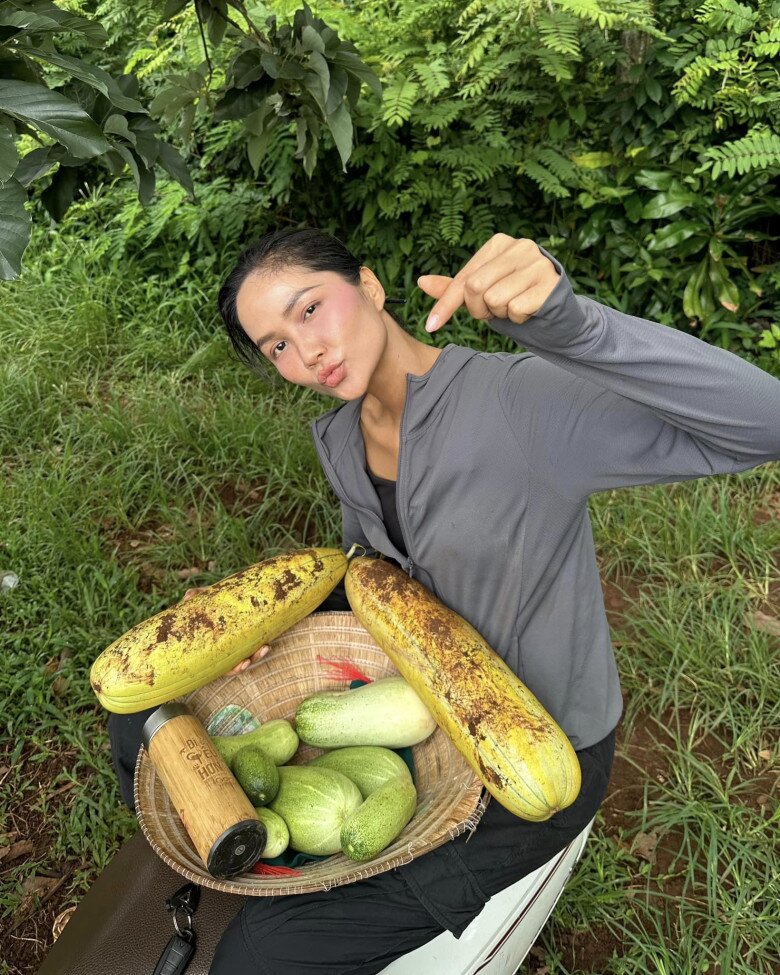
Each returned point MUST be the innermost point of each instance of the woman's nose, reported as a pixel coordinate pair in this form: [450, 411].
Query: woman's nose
[312, 351]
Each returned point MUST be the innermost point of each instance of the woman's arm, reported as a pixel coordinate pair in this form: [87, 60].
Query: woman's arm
[611, 400]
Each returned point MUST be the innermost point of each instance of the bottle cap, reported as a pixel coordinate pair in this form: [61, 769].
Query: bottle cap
[159, 717]
[237, 849]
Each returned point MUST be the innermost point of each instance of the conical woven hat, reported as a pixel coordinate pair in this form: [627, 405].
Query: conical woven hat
[448, 792]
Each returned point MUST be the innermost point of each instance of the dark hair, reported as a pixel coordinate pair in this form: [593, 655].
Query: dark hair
[306, 247]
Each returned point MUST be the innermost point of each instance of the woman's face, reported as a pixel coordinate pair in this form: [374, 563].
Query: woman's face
[306, 323]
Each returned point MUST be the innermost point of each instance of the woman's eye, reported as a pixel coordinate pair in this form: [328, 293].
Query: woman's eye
[274, 353]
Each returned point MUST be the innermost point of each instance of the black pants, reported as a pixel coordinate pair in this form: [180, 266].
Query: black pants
[362, 927]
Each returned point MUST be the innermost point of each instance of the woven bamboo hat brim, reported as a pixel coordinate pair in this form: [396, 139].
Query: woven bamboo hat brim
[448, 792]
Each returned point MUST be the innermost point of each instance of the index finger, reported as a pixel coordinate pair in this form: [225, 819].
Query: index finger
[452, 299]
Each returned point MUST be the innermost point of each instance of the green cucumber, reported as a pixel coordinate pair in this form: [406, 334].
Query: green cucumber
[315, 802]
[256, 774]
[379, 820]
[385, 712]
[369, 766]
[277, 739]
[278, 835]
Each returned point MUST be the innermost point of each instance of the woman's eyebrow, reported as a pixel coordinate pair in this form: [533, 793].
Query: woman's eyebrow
[294, 299]
[296, 296]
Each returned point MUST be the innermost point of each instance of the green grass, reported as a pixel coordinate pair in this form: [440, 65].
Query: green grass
[133, 448]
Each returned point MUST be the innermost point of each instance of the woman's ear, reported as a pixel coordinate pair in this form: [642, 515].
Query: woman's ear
[372, 287]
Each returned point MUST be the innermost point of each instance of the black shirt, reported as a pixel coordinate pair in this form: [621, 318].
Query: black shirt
[385, 490]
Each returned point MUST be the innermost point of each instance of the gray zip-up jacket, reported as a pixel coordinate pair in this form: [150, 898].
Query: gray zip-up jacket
[499, 453]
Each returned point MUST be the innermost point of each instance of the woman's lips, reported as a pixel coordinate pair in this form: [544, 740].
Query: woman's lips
[336, 376]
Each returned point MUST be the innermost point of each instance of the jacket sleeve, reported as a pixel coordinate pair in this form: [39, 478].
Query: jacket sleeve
[609, 400]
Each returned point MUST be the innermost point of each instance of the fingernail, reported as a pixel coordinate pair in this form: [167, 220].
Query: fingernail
[432, 322]
[264, 651]
[244, 665]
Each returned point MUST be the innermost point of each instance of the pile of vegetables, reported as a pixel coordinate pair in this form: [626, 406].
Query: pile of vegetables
[356, 798]
[450, 676]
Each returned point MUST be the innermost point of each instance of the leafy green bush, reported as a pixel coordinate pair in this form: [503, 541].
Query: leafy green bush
[637, 142]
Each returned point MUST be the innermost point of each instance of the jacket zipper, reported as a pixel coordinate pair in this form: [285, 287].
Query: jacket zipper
[401, 508]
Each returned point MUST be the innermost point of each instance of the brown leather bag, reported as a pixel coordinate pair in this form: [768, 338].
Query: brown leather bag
[121, 925]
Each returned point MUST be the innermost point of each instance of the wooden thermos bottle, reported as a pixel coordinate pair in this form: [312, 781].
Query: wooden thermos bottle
[218, 816]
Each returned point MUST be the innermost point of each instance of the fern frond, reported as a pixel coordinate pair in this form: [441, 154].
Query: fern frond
[759, 149]
[488, 72]
[553, 63]
[518, 97]
[559, 165]
[560, 33]
[440, 115]
[728, 15]
[548, 181]
[766, 43]
[451, 219]
[433, 76]
[399, 100]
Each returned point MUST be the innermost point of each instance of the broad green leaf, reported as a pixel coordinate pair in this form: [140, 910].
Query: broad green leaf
[33, 165]
[256, 121]
[633, 207]
[129, 158]
[238, 103]
[37, 163]
[654, 90]
[27, 21]
[340, 125]
[674, 234]
[331, 40]
[667, 204]
[145, 132]
[55, 115]
[692, 303]
[216, 20]
[174, 165]
[716, 249]
[246, 68]
[654, 179]
[18, 68]
[338, 88]
[172, 7]
[170, 101]
[9, 157]
[116, 124]
[293, 71]
[594, 160]
[311, 40]
[15, 225]
[354, 66]
[90, 74]
[58, 195]
[723, 287]
[146, 184]
[272, 63]
[257, 146]
[317, 79]
[41, 15]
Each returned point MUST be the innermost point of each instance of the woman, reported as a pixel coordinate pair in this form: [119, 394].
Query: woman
[472, 471]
